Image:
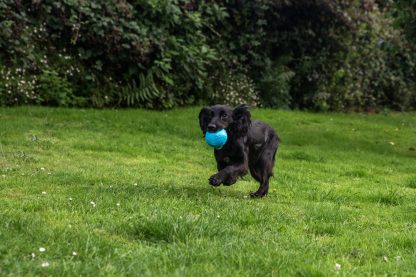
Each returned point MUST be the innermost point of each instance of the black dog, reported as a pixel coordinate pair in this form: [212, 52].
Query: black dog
[250, 145]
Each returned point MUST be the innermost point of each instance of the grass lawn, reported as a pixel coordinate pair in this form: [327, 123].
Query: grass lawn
[125, 192]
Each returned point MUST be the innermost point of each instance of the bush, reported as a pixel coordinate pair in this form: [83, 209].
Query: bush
[320, 55]
[54, 90]
[233, 88]
[405, 13]
[17, 86]
[116, 45]
[377, 71]
[275, 84]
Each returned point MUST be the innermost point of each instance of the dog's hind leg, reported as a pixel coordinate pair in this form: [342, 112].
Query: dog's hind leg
[262, 170]
[262, 175]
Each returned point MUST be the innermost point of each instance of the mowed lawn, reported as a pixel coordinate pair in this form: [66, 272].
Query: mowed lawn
[125, 192]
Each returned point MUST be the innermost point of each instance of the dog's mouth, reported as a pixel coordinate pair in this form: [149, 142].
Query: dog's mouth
[216, 129]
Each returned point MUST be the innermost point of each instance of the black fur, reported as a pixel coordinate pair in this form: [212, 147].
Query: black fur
[251, 145]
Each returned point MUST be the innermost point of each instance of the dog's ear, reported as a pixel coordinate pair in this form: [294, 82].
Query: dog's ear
[241, 119]
[204, 118]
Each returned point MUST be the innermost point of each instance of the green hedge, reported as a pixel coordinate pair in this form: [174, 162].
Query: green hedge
[320, 55]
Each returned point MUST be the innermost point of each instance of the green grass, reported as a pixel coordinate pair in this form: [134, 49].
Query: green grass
[342, 193]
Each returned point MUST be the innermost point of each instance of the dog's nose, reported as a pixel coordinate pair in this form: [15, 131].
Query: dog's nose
[211, 127]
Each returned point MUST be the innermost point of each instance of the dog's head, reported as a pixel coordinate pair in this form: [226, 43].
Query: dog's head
[214, 118]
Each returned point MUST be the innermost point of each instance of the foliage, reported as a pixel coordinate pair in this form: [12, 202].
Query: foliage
[378, 71]
[16, 86]
[53, 89]
[137, 50]
[275, 84]
[160, 54]
[405, 12]
[233, 88]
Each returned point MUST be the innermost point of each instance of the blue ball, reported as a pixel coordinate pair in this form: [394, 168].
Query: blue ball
[217, 139]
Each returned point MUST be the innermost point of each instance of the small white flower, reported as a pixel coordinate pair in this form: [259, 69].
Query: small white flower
[218, 216]
[33, 255]
[398, 258]
[74, 253]
[337, 266]
[93, 204]
[135, 184]
[42, 249]
[44, 192]
[70, 198]
[385, 259]
[118, 204]
[45, 264]
[49, 173]
[42, 168]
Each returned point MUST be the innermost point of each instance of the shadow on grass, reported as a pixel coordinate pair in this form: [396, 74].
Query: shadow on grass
[144, 188]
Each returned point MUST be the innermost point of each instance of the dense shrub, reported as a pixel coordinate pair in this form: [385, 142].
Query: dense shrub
[321, 55]
[134, 53]
[405, 13]
[275, 84]
[377, 71]
[53, 89]
[233, 88]
[16, 86]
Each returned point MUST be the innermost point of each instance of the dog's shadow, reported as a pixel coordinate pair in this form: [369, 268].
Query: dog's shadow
[175, 191]
[205, 191]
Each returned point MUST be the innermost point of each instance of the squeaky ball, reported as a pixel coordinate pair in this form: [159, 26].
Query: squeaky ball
[217, 139]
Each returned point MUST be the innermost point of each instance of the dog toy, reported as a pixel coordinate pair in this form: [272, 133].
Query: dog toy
[217, 139]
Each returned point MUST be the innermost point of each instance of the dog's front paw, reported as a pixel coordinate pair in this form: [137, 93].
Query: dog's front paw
[214, 180]
[229, 181]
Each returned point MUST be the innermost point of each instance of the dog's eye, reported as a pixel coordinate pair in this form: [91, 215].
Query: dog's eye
[224, 116]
